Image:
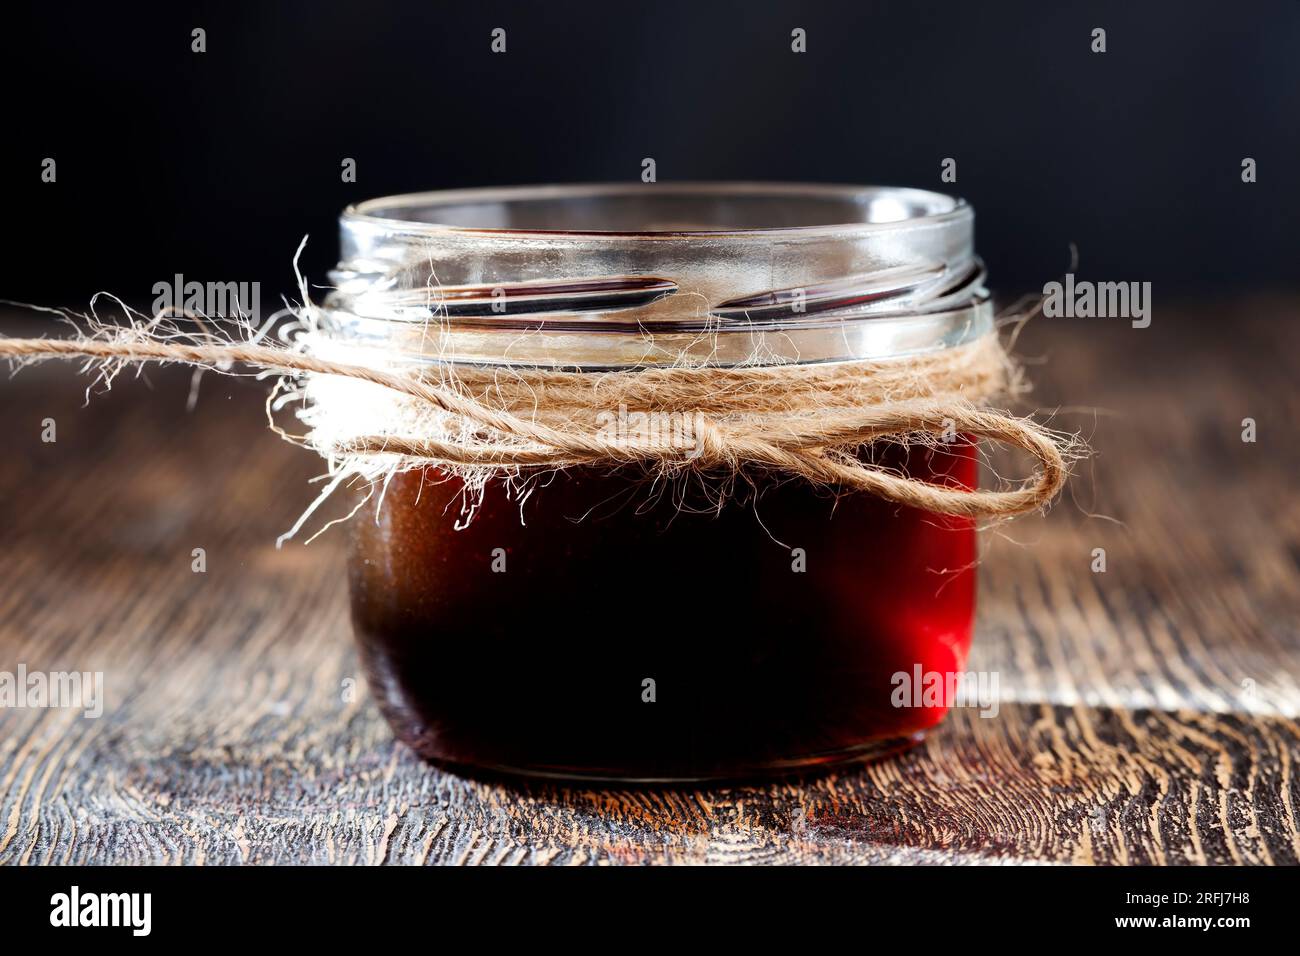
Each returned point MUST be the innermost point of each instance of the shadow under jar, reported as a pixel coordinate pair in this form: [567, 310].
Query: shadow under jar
[607, 627]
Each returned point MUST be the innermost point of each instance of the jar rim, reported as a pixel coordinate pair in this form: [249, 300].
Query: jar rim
[879, 206]
[646, 274]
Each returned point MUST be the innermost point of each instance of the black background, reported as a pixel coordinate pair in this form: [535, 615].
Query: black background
[216, 164]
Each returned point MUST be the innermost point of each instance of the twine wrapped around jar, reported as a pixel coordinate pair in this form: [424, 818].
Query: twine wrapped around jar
[809, 421]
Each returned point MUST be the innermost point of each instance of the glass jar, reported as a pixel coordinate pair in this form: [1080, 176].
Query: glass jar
[606, 627]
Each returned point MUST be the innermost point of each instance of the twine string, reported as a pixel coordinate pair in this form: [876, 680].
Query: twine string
[803, 420]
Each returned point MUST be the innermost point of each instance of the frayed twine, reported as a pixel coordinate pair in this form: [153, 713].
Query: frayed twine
[371, 419]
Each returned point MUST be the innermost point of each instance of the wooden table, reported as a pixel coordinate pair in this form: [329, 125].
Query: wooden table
[1151, 714]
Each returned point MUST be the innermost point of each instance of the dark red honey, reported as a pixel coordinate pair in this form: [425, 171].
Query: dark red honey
[757, 668]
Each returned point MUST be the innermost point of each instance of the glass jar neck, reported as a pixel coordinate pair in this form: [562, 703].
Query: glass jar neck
[617, 276]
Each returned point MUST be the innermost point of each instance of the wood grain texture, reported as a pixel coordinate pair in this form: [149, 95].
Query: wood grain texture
[1149, 712]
